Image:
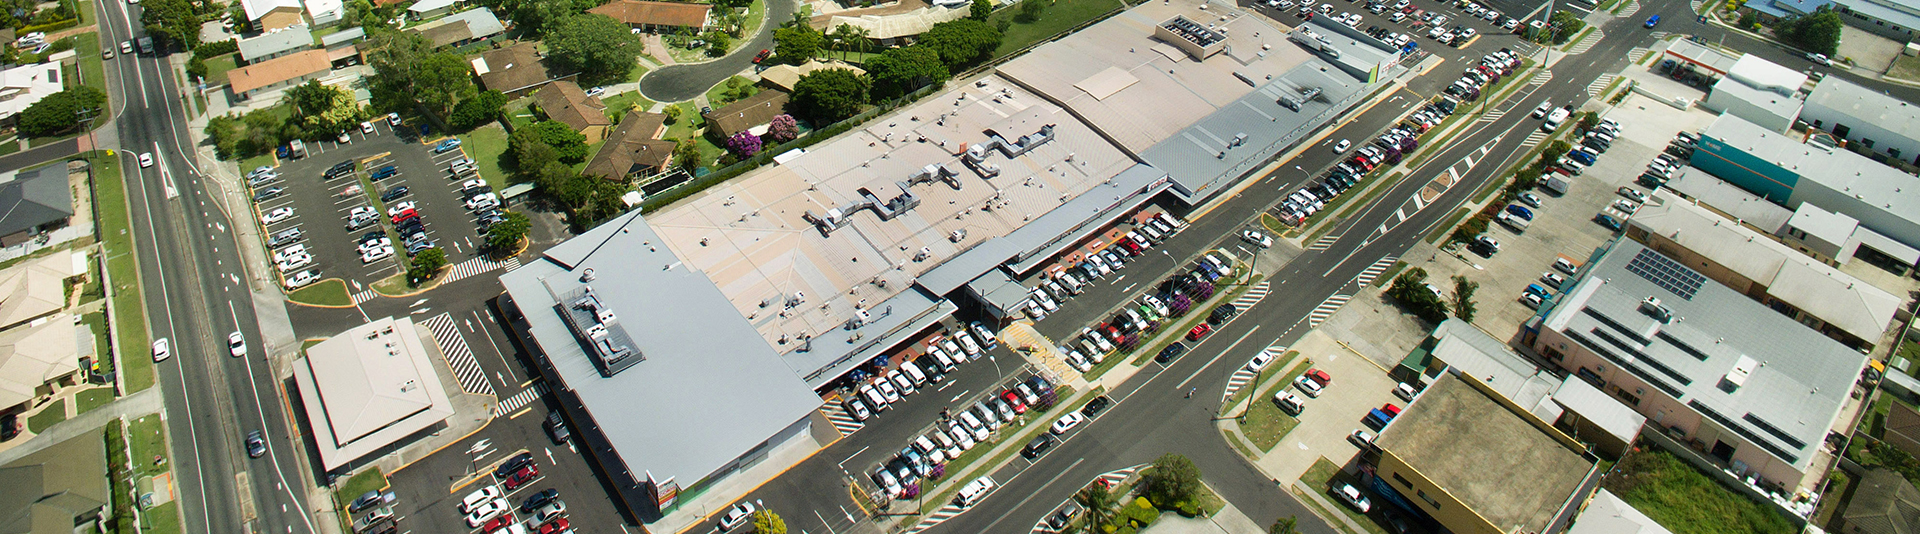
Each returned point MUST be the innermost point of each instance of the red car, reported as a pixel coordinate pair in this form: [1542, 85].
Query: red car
[523, 476]
[1320, 376]
[498, 523]
[1390, 409]
[762, 56]
[1199, 331]
[1013, 399]
[554, 526]
[404, 215]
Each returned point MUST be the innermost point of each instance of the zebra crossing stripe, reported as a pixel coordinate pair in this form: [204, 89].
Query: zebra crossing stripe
[1600, 84]
[1326, 309]
[364, 296]
[522, 399]
[1324, 243]
[1373, 271]
[936, 518]
[476, 266]
[841, 419]
[1239, 380]
[1253, 295]
[460, 358]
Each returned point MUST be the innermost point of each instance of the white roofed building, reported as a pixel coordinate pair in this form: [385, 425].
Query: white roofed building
[22, 86]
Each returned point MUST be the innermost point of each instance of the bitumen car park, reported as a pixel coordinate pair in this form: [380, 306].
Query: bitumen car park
[334, 181]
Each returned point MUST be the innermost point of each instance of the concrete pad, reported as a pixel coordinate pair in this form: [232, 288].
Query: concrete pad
[1358, 386]
[1868, 50]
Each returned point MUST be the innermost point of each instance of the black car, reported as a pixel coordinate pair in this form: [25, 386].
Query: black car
[1037, 447]
[539, 499]
[9, 426]
[256, 444]
[370, 236]
[1060, 519]
[1222, 313]
[557, 428]
[394, 193]
[340, 168]
[1095, 406]
[507, 468]
[267, 193]
[1171, 352]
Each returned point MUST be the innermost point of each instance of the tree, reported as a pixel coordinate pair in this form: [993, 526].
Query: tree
[426, 264]
[569, 146]
[796, 44]
[1173, 479]
[409, 71]
[767, 522]
[687, 155]
[172, 20]
[848, 38]
[1029, 12]
[898, 71]
[481, 109]
[783, 128]
[1819, 32]
[744, 143]
[544, 17]
[981, 8]
[961, 42]
[1463, 297]
[1410, 288]
[673, 114]
[1285, 525]
[60, 112]
[530, 153]
[600, 48]
[1564, 25]
[1099, 503]
[504, 236]
[323, 110]
[717, 42]
[828, 95]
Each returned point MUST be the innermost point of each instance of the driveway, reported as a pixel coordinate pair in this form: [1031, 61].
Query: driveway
[679, 83]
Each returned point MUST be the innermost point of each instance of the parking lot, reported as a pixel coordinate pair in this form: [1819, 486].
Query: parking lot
[1487, 35]
[309, 212]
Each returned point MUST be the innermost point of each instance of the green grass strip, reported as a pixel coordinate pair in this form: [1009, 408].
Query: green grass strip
[1442, 229]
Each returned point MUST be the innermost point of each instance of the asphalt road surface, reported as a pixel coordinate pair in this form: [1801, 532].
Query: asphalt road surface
[678, 83]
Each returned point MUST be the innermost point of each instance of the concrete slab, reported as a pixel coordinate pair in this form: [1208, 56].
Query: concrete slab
[1358, 385]
[1867, 49]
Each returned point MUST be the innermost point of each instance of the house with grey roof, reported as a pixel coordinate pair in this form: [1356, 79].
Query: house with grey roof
[275, 44]
[60, 489]
[34, 202]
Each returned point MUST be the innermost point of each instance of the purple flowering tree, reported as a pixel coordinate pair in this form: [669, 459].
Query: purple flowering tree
[744, 143]
[783, 128]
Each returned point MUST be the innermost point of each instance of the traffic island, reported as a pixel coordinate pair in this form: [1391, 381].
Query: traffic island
[329, 293]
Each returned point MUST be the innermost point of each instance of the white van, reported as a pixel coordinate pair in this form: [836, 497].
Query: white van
[1177, 224]
[1088, 348]
[940, 357]
[1067, 280]
[913, 372]
[974, 491]
[1225, 270]
[873, 398]
[1554, 119]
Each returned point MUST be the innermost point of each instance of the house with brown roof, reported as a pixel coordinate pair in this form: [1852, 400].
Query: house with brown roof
[748, 115]
[563, 101]
[1885, 503]
[284, 71]
[662, 17]
[515, 70]
[784, 77]
[634, 149]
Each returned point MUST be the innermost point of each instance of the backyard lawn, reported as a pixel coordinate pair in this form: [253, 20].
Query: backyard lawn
[617, 105]
[217, 68]
[1058, 17]
[1687, 501]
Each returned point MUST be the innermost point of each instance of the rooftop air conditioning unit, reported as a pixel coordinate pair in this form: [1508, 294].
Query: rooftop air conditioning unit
[1651, 306]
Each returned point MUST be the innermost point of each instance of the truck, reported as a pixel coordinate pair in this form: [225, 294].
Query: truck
[1557, 184]
[298, 148]
[1518, 225]
[1378, 419]
[146, 44]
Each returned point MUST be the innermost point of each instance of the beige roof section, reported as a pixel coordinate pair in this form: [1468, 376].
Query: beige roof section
[899, 25]
[565, 102]
[1859, 308]
[784, 76]
[278, 70]
[368, 387]
[1170, 90]
[31, 355]
[747, 235]
[35, 288]
[748, 113]
[634, 147]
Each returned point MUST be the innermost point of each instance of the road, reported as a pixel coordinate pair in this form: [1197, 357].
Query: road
[678, 83]
[194, 283]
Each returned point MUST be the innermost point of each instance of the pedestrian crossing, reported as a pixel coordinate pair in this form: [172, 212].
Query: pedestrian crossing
[521, 399]
[1253, 295]
[460, 358]
[843, 421]
[1628, 11]
[1325, 242]
[1541, 77]
[1111, 479]
[1326, 309]
[936, 518]
[1373, 271]
[363, 296]
[478, 265]
[1243, 376]
[1534, 138]
[1587, 43]
[1600, 84]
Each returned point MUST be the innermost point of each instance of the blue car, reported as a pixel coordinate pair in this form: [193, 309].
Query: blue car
[384, 172]
[1653, 21]
[1519, 211]
[1582, 157]
[1540, 291]
[446, 145]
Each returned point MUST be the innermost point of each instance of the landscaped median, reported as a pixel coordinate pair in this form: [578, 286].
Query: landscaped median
[957, 473]
[1262, 422]
[329, 293]
[127, 314]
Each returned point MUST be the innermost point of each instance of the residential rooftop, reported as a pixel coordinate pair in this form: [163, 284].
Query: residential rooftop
[276, 42]
[1472, 445]
[1790, 381]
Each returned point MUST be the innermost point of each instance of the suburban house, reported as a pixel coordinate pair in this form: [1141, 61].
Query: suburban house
[62, 488]
[270, 15]
[37, 288]
[428, 9]
[783, 77]
[899, 28]
[1884, 503]
[463, 28]
[750, 114]
[38, 359]
[32, 203]
[275, 44]
[326, 13]
[634, 149]
[277, 73]
[22, 86]
[563, 101]
[515, 70]
[656, 16]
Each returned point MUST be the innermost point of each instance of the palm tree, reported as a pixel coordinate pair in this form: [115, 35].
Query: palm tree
[1099, 504]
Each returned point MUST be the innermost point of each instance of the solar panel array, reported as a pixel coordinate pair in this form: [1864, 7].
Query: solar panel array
[1666, 273]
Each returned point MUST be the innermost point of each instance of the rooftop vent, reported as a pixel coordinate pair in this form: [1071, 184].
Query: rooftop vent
[1652, 307]
[1738, 376]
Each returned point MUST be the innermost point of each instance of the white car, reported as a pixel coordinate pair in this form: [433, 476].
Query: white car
[366, 127]
[1077, 361]
[302, 278]
[472, 184]
[1158, 306]
[1553, 280]
[1289, 403]
[1067, 422]
[161, 349]
[479, 515]
[373, 245]
[1342, 146]
[479, 497]
[738, 515]
[967, 343]
[1307, 386]
[362, 211]
[1565, 266]
[1541, 112]
[1404, 391]
[1260, 361]
[395, 209]
[393, 119]
[294, 262]
[1634, 194]
[1625, 206]
[1531, 300]
[237, 344]
[960, 435]
[146, 159]
[1046, 301]
[1350, 495]
[485, 201]
[257, 171]
[985, 334]
[288, 253]
[597, 91]
[376, 254]
[277, 215]
[1258, 239]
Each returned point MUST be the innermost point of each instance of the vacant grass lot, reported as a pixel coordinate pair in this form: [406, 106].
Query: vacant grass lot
[329, 292]
[487, 145]
[148, 438]
[1059, 16]
[1687, 501]
[1265, 424]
